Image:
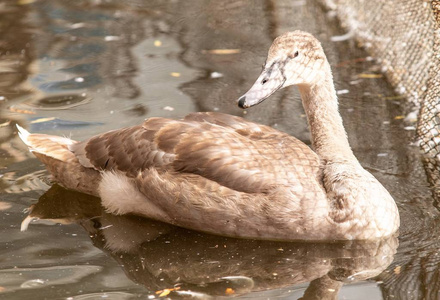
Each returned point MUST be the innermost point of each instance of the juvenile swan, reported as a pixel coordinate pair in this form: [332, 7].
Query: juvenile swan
[224, 175]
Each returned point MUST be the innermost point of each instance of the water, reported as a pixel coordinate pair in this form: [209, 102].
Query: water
[81, 68]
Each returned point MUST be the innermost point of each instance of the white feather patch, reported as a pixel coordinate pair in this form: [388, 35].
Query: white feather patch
[119, 196]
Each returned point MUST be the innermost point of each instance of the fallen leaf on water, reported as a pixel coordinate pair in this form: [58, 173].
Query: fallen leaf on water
[165, 292]
[175, 74]
[5, 124]
[399, 117]
[365, 75]
[157, 43]
[24, 2]
[222, 51]
[41, 120]
[229, 291]
[21, 111]
[397, 270]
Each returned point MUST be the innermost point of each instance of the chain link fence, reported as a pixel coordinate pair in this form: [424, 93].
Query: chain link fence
[404, 35]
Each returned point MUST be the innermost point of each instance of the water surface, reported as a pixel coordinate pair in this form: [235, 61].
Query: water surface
[81, 68]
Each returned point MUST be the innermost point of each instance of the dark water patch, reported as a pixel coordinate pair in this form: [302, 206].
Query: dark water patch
[74, 14]
[77, 50]
[80, 32]
[57, 102]
[137, 110]
[82, 68]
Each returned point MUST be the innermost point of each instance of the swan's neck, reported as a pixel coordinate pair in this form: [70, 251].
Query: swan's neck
[329, 138]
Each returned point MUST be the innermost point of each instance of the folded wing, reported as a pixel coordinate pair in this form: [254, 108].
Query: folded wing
[229, 150]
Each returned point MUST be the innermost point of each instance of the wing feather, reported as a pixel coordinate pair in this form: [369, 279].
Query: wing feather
[234, 152]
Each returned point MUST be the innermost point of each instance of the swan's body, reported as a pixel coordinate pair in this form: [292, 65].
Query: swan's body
[224, 175]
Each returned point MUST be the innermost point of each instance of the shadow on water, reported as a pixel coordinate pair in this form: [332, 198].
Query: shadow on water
[79, 68]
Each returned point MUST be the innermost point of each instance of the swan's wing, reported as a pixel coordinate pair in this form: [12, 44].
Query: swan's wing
[233, 152]
[243, 155]
[129, 150]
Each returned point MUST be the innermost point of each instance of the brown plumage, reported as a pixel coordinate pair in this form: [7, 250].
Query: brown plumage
[235, 153]
[225, 175]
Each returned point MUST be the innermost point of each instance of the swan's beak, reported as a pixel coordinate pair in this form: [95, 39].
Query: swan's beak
[269, 81]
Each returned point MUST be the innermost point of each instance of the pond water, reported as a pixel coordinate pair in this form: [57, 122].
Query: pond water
[78, 68]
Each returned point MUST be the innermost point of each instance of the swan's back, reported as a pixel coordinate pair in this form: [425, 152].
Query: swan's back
[236, 153]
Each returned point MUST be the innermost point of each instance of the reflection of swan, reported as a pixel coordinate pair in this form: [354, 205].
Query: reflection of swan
[160, 255]
[224, 175]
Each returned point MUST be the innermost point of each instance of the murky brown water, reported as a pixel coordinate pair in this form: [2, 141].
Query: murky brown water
[78, 68]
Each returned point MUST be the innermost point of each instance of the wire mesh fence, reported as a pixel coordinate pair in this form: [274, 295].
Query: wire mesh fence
[404, 35]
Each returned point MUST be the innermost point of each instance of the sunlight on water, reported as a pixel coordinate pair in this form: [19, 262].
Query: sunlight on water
[77, 69]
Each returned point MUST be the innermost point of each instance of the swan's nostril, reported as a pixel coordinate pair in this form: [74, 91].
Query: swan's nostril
[264, 81]
[242, 101]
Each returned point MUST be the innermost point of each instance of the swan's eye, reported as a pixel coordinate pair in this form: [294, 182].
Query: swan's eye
[264, 81]
[292, 56]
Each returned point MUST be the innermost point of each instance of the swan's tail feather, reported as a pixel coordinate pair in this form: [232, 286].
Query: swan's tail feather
[61, 163]
[49, 145]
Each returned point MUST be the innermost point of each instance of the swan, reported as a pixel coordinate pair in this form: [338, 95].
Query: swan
[224, 175]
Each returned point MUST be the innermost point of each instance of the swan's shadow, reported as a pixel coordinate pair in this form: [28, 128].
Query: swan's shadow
[161, 256]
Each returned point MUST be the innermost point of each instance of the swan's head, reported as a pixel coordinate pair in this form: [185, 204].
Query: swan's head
[295, 58]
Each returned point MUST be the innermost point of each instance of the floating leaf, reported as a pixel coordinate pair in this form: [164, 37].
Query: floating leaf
[21, 111]
[365, 75]
[24, 2]
[5, 124]
[165, 293]
[41, 120]
[222, 51]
